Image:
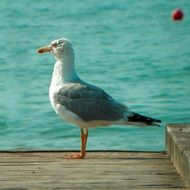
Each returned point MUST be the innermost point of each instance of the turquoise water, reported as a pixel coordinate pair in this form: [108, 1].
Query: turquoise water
[131, 49]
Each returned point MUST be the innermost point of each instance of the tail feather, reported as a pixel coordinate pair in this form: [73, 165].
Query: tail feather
[137, 118]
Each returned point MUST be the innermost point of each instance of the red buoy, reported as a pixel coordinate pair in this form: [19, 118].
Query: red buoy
[177, 15]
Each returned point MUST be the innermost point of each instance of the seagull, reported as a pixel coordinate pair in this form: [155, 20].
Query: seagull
[81, 103]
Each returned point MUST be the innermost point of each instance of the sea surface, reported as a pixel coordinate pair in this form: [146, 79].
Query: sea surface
[130, 48]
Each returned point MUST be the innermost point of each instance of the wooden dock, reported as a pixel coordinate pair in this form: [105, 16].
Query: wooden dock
[101, 170]
[178, 148]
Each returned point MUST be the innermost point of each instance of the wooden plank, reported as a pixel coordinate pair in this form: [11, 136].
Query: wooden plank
[178, 148]
[101, 170]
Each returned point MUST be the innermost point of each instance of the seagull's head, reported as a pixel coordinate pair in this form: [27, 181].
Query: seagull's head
[60, 48]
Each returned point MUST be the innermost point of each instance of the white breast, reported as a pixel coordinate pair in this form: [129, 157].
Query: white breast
[57, 83]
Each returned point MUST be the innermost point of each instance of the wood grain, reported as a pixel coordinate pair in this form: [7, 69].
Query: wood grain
[178, 148]
[100, 170]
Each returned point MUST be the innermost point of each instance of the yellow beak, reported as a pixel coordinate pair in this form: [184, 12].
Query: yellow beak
[44, 49]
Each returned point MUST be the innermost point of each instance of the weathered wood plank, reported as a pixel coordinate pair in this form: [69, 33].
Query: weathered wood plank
[101, 170]
[178, 148]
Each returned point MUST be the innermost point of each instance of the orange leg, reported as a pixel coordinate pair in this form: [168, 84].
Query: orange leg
[84, 137]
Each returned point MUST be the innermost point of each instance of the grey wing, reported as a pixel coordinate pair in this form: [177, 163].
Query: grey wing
[90, 103]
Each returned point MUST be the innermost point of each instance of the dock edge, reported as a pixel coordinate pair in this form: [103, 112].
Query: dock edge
[178, 148]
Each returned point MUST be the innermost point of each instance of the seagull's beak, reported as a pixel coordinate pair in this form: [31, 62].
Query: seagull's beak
[44, 49]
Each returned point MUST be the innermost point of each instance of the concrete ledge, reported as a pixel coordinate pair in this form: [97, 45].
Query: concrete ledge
[178, 148]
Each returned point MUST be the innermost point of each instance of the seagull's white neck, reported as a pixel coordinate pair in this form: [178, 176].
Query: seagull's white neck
[64, 71]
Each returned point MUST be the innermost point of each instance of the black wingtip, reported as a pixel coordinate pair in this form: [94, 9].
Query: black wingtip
[143, 119]
[156, 124]
[158, 121]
